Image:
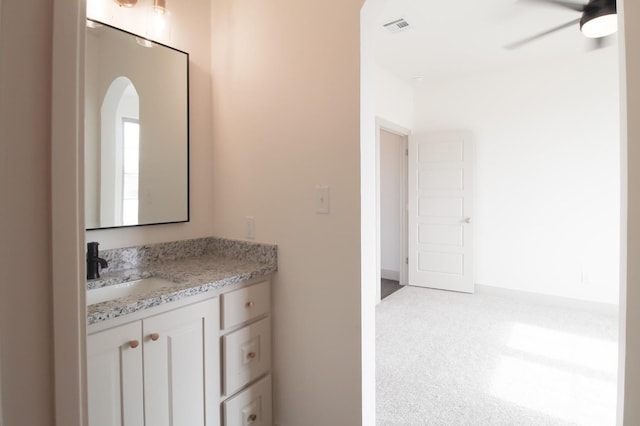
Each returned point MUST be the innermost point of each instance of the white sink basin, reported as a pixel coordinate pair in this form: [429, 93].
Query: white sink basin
[129, 288]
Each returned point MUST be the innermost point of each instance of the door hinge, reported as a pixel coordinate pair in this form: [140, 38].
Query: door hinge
[406, 152]
[406, 260]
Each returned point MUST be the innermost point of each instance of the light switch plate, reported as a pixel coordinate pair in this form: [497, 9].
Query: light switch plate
[322, 199]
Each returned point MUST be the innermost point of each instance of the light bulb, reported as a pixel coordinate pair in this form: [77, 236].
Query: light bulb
[160, 6]
[600, 26]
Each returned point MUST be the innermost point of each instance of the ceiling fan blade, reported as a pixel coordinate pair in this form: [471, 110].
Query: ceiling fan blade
[578, 7]
[537, 36]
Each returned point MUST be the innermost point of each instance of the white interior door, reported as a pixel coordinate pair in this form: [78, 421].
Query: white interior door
[440, 211]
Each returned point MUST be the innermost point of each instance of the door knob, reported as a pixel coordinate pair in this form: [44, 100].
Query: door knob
[467, 220]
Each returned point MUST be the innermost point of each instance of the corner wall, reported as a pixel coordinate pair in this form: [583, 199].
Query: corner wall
[630, 299]
[285, 119]
[26, 342]
[394, 99]
[546, 173]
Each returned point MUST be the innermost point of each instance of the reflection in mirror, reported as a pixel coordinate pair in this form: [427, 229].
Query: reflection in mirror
[136, 131]
[119, 154]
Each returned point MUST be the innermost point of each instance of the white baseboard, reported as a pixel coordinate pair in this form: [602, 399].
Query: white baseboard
[553, 300]
[388, 274]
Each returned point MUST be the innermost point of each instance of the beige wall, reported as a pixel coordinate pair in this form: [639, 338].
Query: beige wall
[630, 302]
[285, 119]
[25, 228]
[1, 422]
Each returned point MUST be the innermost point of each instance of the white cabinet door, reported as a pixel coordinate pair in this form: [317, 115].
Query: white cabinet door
[114, 375]
[181, 366]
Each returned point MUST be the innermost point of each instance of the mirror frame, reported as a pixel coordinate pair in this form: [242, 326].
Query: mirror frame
[187, 135]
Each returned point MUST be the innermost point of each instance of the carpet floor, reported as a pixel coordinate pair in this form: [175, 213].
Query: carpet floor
[493, 358]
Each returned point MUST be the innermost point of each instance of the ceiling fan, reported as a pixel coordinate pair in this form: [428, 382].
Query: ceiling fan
[598, 20]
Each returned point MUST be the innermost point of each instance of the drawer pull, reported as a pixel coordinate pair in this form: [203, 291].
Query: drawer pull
[251, 355]
[252, 418]
[154, 336]
[251, 304]
[134, 344]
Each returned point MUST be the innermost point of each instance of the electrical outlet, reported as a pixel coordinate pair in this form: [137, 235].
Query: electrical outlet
[250, 228]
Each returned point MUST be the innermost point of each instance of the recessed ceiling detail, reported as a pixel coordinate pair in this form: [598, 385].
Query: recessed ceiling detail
[397, 25]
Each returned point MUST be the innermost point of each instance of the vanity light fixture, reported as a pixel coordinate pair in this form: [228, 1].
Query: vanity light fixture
[126, 3]
[160, 6]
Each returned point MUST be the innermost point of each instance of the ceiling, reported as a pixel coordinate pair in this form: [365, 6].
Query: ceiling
[457, 37]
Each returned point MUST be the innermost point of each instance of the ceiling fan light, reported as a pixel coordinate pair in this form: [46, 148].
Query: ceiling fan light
[599, 26]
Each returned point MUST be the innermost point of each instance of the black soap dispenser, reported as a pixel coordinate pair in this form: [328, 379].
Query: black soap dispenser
[94, 262]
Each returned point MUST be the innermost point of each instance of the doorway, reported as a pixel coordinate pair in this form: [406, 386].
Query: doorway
[392, 149]
[585, 279]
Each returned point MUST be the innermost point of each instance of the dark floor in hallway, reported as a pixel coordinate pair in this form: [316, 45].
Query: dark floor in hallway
[389, 287]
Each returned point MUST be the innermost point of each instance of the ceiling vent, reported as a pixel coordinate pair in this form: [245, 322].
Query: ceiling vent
[397, 25]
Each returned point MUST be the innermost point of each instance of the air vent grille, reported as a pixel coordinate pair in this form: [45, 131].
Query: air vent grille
[397, 25]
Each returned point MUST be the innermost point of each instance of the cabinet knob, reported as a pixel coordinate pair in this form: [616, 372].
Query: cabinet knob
[134, 344]
[251, 355]
[154, 336]
[252, 418]
[251, 304]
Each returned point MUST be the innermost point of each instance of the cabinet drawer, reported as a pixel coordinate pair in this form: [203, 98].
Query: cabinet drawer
[246, 355]
[243, 305]
[251, 407]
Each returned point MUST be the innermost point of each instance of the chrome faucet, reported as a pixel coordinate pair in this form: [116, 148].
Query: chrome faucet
[94, 263]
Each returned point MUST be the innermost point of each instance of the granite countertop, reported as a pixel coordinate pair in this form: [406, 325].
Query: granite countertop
[205, 272]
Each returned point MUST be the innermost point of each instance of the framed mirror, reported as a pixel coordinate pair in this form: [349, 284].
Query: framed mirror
[136, 130]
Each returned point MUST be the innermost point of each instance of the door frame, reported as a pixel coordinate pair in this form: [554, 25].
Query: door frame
[630, 249]
[67, 213]
[388, 126]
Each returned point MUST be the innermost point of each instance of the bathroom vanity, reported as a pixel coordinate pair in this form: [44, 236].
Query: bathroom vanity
[178, 333]
[188, 342]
